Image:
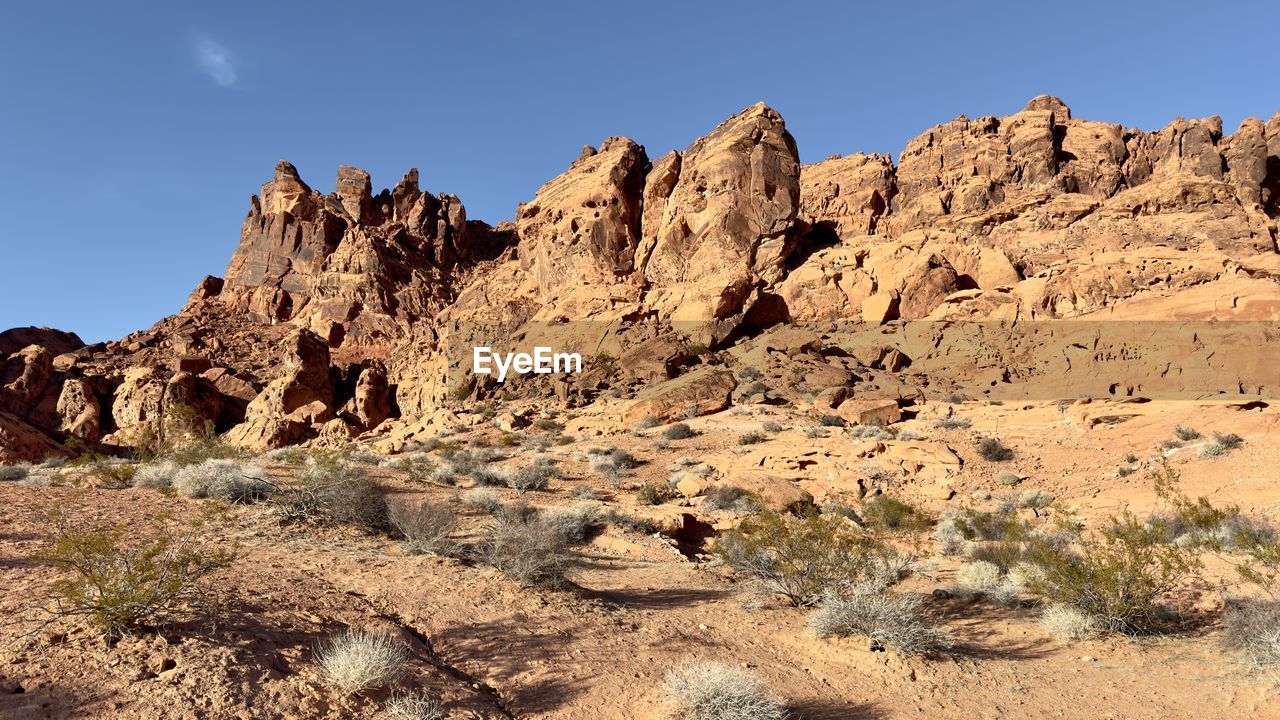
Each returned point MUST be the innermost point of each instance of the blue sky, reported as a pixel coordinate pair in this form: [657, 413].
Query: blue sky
[131, 135]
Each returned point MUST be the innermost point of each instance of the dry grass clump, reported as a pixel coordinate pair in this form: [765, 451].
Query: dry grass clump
[1253, 629]
[1222, 444]
[887, 620]
[331, 490]
[752, 438]
[1186, 434]
[952, 422]
[482, 499]
[229, 480]
[527, 548]
[1035, 499]
[358, 660]
[156, 475]
[731, 498]
[534, 476]
[889, 514]
[701, 690]
[614, 464]
[426, 527]
[414, 706]
[1068, 623]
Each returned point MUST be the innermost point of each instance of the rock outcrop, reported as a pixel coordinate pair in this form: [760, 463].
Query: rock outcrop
[351, 315]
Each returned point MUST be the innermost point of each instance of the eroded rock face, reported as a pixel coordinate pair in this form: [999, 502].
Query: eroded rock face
[725, 221]
[354, 312]
[583, 227]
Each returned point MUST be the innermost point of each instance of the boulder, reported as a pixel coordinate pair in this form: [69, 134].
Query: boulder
[869, 412]
[701, 392]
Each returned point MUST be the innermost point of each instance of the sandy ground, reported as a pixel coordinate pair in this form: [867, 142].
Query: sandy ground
[492, 649]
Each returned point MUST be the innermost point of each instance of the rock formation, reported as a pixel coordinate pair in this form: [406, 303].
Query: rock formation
[352, 314]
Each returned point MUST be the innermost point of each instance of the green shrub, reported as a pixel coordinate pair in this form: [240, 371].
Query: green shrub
[804, 559]
[127, 578]
[1118, 577]
[889, 514]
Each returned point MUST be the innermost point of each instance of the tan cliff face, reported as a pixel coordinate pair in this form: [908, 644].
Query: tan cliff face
[350, 314]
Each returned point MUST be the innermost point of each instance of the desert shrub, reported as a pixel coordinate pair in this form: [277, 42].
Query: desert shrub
[803, 559]
[751, 438]
[528, 549]
[1222, 444]
[953, 422]
[832, 421]
[750, 373]
[330, 490]
[648, 421]
[291, 455]
[156, 475]
[772, 427]
[1125, 471]
[17, 471]
[872, 432]
[992, 450]
[700, 690]
[574, 525]
[1118, 577]
[651, 494]
[126, 578]
[678, 431]
[414, 706]
[815, 433]
[1068, 623]
[358, 660]
[887, 620]
[612, 463]
[426, 527]
[482, 499]
[1186, 434]
[1035, 499]
[731, 498]
[1252, 627]
[534, 476]
[892, 515]
[988, 578]
[1004, 477]
[228, 480]
[582, 492]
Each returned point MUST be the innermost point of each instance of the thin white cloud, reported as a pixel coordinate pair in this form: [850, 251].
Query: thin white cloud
[215, 61]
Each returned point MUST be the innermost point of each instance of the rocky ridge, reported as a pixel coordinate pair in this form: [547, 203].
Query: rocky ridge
[351, 315]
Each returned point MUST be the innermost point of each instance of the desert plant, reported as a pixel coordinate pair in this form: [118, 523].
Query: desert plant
[629, 522]
[952, 422]
[678, 431]
[731, 498]
[832, 421]
[1117, 577]
[992, 450]
[651, 494]
[331, 490]
[1035, 499]
[1253, 629]
[575, 525]
[887, 620]
[701, 690]
[1186, 434]
[1068, 623]
[414, 706]
[648, 421]
[228, 480]
[534, 476]
[772, 427]
[16, 471]
[1222, 444]
[357, 660]
[1004, 477]
[426, 527]
[892, 515]
[528, 549]
[804, 558]
[482, 499]
[125, 578]
[751, 438]
[156, 475]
